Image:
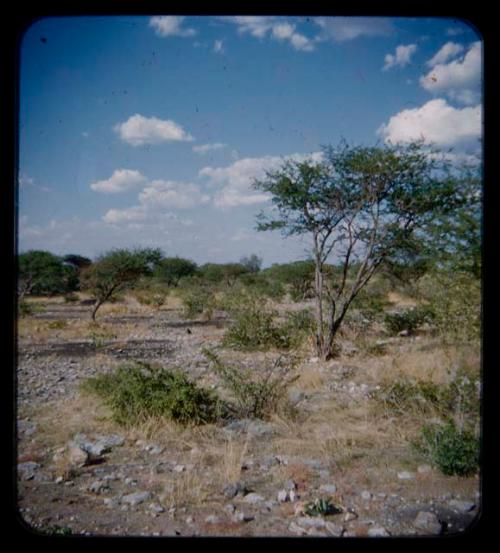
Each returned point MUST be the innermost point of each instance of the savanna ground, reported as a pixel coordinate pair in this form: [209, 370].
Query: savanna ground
[346, 434]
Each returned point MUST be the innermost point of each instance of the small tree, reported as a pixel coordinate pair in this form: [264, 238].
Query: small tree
[117, 270]
[361, 205]
[225, 273]
[252, 263]
[171, 269]
[42, 272]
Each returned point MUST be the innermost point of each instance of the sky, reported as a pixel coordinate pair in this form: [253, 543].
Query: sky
[148, 131]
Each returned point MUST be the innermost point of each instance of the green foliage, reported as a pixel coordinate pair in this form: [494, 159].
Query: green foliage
[71, 298]
[409, 319]
[58, 325]
[42, 273]
[297, 277]
[453, 450]
[55, 530]
[138, 391]
[252, 263]
[226, 274]
[170, 270]
[198, 301]
[259, 392]
[150, 291]
[98, 335]
[321, 507]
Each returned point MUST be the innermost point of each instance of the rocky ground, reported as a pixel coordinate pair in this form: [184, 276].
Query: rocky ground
[79, 472]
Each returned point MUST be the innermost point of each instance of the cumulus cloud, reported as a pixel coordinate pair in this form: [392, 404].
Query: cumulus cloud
[235, 181]
[205, 148]
[170, 25]
[278, 29]
[460, 79]
[161, 194]
[448, 51]
[401, 58]
[120, 181]
[139, 130]
[218, 47]
[436, 122]
[135, 213]
[342, 29]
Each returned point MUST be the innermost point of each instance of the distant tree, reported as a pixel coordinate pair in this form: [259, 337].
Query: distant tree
[223, 273]
[171, 269]
[41, 272]
[117, 270]
[360, 205]
[77, 261]
[298, 276]
[252, 263]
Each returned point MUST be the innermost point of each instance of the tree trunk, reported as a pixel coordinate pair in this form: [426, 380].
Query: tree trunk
[318, 287]
[96, 307]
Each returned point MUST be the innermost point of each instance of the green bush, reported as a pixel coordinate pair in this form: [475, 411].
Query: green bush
[321, 507]
[98, 334]
[135, 392]
[198, 301]
[454, 451]
[258, 392]
[58, 325]
[409, 319]
[71, 298]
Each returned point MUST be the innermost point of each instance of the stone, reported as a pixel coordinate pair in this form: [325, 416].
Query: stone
[296, 396]
[213, 519]
[156, 508]
[333, 529]
[27, 471]
[103, 443]
[350, 515]
[311, 521]
[136, 498]
[424, 469]
[283, 496]
[112, 502]
[366, 495]
[461, 506]
[76, 456]
[296, 529]
[179, 468]
[427, 521]
[98, 487]
[378, 532]
[232, 490]
[405, 475]
[289, 485]
[230, 508]
[242, 517]
[328, 488]
[253, 498]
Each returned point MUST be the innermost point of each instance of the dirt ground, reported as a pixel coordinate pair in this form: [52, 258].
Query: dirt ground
[248, 478]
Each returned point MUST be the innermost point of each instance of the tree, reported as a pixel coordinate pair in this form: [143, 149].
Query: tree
[252, 263]
[299, 276]
[361, 206]
[226, 273]
[171, 269]
[116, 270]
[41, 272]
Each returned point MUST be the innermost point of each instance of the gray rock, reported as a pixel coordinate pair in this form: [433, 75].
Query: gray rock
[428, 522]
[156, 508]
[283, 496]
[242, 517]
[378, 532]
[136, 498]
[289, 485]
[27, 470]
[179, 468]
[253, 498]
[112, 502]
[461, 506]
[102, 444]
[328, 488]
[232, 490]
[405, 475]
[366, 495]
[296, 529]
[98, 487]
[333, 529]
[213, 519]
[230, 508]
[424, 469]
[76, 456]
[307, 522]
[350, 515]
[296, 396]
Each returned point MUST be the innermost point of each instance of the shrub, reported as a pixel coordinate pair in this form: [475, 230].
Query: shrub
[71, 298]
[198, 301]
[258, 393]
[321, 507]
[408, 320]
[454, 451]
[58, 325]
[98, 335]
[135, 392]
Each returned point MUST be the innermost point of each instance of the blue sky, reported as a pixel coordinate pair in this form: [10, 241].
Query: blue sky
[147, 131]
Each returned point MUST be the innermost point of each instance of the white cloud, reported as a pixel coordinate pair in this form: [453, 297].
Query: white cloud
[139, 130]
[135, 213]
[436, 122]
[205, 148]
[401, 58]
[278, 29]
[235, 181]
[341, 29]
[161, 194]
[218, 47]
[25, 180]
[460, 79]
[448, 51]
[120, 181]
[170, 25]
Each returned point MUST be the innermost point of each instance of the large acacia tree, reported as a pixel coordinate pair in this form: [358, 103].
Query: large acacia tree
[361, 206]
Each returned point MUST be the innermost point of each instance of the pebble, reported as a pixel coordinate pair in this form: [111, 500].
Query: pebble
[334, 529]
[283, 496]
[213, 519]
[27, 471]
[253, 498]
[461, 506]
[328, 488]
[405, 475]
[366, 495]
[378, 532]
[424, 469]
[136, 498]
[427, 521]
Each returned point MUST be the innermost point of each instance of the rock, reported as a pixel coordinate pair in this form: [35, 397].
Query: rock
[427, 521]
[179, 468]
[230, 508]
[255, 429]
[378, 532]
[405, 475]
[242, 517]
[461, 506]
[103, 444]
[350, 515]
[296, 529]
[283, 496]
[328, 488]
[112, 502]
[289, 485]
[27, 471]
[253, 498]
[156, 508]
[76, 456]
[334, 529]
[404, 333]
[424, 469]
[98, 487]
[314, 360]
[136, 498]
[213, 519]
[311, 521]
[232, 490]
[59, 480]
[366, 495]
[296, 396]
